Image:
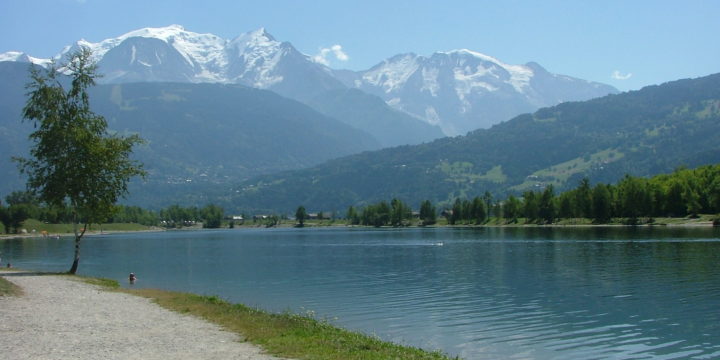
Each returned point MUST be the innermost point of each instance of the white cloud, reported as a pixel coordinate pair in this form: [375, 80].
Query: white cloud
[618, 76]
[335, 50]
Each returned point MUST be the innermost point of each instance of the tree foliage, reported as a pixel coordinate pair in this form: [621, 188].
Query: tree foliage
[428, 213]
[13, 216]
[301, 215]
[212, 216]
[399, 212]
[74, 161]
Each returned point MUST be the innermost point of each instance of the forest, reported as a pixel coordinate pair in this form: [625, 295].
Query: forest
[633, 200]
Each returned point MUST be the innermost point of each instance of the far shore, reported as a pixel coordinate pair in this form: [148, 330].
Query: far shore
[87, 233]
[106, 229]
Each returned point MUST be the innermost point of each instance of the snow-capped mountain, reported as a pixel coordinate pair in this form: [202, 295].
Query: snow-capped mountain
[172, 53]
[462, 90]
[459, 90]
[22, 57]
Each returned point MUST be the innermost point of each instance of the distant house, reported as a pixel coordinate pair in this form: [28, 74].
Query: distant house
[320, 215]
[238, 219]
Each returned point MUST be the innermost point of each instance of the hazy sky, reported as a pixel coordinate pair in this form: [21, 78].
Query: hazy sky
[628, 44]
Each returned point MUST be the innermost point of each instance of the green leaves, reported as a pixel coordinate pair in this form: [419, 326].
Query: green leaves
[74, 161]
[301, 215]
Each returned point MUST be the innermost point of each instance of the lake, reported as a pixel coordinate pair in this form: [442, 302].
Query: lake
[483, 293]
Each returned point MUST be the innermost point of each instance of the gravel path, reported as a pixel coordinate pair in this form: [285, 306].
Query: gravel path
[62, 318]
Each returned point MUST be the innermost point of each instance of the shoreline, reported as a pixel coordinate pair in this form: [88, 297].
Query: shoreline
[703, 221]
[90, 233]
[66, 316]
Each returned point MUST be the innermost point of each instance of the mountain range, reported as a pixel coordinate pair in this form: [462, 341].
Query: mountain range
[646, 132]
[456, 91]
[197, 135]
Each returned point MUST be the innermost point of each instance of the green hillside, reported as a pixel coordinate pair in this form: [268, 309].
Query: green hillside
[646, 132]
[369, 113]
[199, 136]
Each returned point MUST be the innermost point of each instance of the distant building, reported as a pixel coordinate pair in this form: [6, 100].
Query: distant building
[320, 215]
[238, 219]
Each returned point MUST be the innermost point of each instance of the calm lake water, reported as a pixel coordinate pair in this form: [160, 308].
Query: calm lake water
[494, 293]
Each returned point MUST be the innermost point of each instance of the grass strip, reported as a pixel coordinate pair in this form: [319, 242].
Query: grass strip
[39, 226]
[286, 335]
[7, 288]
[104, 282]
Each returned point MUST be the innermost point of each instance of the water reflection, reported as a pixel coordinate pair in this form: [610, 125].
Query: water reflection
[543, 293]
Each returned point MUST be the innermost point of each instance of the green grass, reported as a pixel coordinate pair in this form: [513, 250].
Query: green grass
[286, 334]
[104, 282]
[558, 174]
[9, 289]
[39, 226]
[700, 220]
[494, 175]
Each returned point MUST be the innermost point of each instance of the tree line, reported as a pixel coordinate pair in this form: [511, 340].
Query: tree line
[24, 205]
[683, 193]
[394, 213]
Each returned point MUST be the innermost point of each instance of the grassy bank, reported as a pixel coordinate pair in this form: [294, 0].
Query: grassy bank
[52, 229]
[286, 335]
[9, 289]
[701, 220]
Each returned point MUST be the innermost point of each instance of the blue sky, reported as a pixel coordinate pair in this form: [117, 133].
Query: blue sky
[628, 44]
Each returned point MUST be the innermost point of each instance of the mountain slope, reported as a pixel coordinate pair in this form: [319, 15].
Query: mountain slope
[363, 111]
[645, 132]
[458, 91]
[196, 133]
[463, 90]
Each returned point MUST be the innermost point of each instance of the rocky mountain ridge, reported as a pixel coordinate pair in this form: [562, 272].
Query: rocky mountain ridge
[459, 90]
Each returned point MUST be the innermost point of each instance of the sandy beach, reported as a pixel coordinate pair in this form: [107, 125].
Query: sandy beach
[60, 317]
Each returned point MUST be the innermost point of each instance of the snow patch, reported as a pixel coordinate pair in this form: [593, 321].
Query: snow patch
[519, 75]
[430, 81]
[18, 56]
[259, 53]
[392, 75]
[394, 102]
[431, 116]
[473, 54]
[133, 54]
[12, 56]
[467, 80]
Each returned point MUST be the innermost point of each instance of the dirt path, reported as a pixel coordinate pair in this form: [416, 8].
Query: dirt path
[62, 318]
